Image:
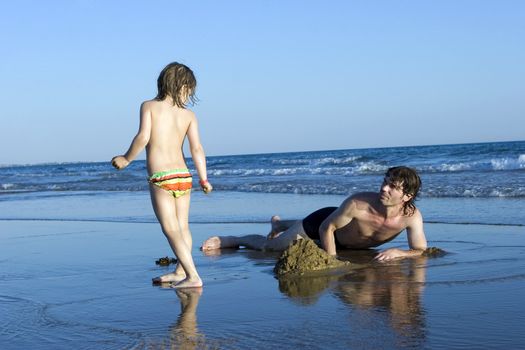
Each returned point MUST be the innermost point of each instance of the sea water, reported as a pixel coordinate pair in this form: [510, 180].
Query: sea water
[486, 179]
[78, 243]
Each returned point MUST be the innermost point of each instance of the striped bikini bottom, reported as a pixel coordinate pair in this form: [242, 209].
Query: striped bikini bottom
[176, 181]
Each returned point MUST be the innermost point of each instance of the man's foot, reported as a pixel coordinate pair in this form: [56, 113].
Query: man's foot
[275, 221]
[217, 242]
[188, 283]
[211, 243]
[169, 277]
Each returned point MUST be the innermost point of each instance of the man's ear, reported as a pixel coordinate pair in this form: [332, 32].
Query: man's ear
[407, 197]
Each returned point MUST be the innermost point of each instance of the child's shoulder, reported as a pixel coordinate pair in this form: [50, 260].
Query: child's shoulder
[156, 107]
[150, 103]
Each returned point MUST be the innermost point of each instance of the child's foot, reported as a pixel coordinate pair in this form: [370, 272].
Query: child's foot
[169, 277]
[188, 283]
[275, 222]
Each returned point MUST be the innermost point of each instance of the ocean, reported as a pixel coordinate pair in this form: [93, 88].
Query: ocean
[466, 170]
[470, 173]
[79, 241]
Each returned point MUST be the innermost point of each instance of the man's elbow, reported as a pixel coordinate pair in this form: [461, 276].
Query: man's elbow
[323, 229]
[420, 247]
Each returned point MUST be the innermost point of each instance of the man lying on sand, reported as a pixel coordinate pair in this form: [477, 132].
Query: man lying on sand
[364, 220]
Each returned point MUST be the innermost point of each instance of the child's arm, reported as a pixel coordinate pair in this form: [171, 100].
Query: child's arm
[197, 153]
[139, 141]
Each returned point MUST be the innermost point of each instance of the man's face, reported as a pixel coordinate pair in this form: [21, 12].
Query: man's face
[391, 193]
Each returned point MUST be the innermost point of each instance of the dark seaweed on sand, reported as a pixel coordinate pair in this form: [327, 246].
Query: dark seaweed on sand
[165, 261]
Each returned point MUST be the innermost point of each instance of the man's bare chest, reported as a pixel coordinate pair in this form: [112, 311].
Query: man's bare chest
[369, 231]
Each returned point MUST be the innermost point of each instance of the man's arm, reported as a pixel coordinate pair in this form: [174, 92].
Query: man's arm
[139, 141]
[339, 218]
[417, 241]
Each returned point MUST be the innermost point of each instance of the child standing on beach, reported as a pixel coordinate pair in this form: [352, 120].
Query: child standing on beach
[165, 122]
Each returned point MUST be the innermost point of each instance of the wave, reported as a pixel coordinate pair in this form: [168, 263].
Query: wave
[331, 167]
[345, 189]
[482, 170]
[313, 187]
[318, 161]
[152, 220]
[494, 164]
[509, 163]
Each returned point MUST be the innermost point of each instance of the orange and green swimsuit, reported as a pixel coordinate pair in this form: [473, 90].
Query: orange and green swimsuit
[176, 181]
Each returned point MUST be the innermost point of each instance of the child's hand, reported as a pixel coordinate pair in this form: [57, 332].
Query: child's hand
[119, 162]
[206, 186]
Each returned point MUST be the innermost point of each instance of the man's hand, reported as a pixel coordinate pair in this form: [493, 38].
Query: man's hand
[390, 254]
[119, 162]
[395, 253]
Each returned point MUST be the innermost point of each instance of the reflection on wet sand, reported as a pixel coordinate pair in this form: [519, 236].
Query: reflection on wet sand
[390, 289]
[394, 288]
[184, 333]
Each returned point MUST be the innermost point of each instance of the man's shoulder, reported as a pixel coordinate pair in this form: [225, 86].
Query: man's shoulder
[416, 215]
[360, 200]
[367, 197]
[415, 219]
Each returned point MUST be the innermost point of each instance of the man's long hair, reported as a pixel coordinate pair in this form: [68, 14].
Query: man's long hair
[411, 182]
[172, 80]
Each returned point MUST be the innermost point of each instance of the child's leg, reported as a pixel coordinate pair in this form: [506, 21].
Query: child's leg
[182, 208]
[165, 207]
[162, 199]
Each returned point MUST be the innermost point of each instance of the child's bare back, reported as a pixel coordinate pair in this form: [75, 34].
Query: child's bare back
[169, 126]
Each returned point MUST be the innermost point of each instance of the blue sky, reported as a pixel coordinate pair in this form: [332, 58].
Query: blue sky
[273, 76]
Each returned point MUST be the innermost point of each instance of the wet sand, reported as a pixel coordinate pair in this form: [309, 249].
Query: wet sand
[86, 285]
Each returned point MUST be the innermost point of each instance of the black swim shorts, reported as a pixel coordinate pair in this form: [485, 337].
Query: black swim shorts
[312, 222]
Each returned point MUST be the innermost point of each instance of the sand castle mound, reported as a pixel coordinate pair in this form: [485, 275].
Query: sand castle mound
[305, 256]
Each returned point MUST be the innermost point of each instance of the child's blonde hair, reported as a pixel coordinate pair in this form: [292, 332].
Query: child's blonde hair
[177, 80]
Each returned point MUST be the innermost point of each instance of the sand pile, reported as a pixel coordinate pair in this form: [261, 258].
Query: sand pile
[305, 256]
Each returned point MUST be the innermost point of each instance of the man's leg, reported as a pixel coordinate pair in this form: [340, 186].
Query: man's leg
[257, 242]
[278, 226]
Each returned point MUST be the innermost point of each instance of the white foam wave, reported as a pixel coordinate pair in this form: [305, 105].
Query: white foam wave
[279, 171]
[370, 167]
[508, 163]
[255, 172]
[318, 162]
[455, 167]
[492, 164]
[291, 161]
[336, 161]
[7, 186]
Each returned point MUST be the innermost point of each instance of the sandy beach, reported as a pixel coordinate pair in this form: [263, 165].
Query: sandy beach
[79, 277]
[273, 108]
